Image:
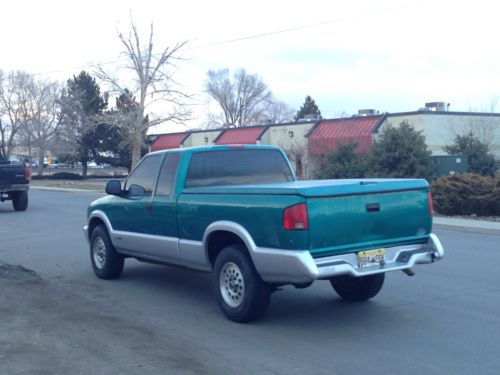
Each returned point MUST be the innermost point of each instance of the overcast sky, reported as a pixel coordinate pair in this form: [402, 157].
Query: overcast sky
[388, 55]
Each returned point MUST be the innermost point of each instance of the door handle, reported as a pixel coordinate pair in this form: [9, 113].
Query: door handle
[372, 207]
[149, 207]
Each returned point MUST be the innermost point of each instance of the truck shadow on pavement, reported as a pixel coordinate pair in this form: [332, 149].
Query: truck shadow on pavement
[317, 305]
[166, 279]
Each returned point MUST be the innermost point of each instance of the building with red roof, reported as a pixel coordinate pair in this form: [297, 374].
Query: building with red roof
[307, 143]
[168, 141]
[249, 135]
[327, 135]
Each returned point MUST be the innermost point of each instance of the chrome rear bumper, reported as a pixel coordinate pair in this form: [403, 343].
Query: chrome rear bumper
[286, 266]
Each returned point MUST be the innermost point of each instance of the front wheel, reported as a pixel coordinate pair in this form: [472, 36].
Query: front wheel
[106, 262]
[241, 293]
[20, 200]
[358, 288]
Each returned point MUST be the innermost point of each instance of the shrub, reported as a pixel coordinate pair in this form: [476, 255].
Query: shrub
[466, 194]
[481, 161]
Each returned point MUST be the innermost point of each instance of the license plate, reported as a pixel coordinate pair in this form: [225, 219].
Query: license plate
[371, 258]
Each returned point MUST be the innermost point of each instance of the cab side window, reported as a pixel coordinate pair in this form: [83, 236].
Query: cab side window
[141, 180]
[167, 175]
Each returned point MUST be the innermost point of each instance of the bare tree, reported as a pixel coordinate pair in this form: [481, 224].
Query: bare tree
[492, 103]
[153, 82]
[42, 114]
[486, 127]
[240, 96]
[299, 158]
[13, 97]
[277, 111]
[213, 120]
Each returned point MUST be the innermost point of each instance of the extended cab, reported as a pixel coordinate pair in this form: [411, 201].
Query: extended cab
[240, 213]
[14, 183]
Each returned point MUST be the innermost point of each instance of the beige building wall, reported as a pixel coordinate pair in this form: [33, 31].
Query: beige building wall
[440, 129]
[292, 139]
[205, 138]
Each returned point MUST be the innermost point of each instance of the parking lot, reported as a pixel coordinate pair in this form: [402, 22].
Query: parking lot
[56, 317]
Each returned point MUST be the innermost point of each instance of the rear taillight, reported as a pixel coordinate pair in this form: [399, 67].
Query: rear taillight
[295, 217]
[429, 203]
[27, 173]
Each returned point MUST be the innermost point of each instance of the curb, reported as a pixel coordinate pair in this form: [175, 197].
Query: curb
[477, 230]
[53, 188]
[467, 225]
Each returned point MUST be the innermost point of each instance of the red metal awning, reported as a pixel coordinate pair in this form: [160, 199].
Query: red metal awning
[328, 134]
[168, 141]
[240, 136]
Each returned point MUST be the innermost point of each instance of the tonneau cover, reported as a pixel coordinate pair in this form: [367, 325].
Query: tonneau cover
[317, 188]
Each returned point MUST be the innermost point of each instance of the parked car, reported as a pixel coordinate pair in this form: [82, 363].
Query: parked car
[239, 213]
[14, 183]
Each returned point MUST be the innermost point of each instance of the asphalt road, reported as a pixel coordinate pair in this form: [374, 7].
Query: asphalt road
[56, 317]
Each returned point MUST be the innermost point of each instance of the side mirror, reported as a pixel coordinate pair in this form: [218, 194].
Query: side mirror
[114, 187]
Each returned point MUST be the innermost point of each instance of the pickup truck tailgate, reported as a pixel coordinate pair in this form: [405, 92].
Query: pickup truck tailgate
[11, 174]
[367, 215]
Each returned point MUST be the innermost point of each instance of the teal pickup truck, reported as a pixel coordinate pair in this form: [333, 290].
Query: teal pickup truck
[238, 212]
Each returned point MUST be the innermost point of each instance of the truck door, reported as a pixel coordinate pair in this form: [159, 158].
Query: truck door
[131, 214]
[164, 213]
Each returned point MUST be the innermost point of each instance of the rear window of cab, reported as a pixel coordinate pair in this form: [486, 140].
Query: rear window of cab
[237, 167]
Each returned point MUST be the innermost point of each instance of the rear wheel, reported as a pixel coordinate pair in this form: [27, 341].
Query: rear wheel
[358, 288]
[241, 293]
[20, 200]
[106, 262]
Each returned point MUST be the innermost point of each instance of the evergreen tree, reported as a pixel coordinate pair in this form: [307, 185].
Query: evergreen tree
[308, 108]
[344, 163]
[81, 106]
[477, 152]
[400, 152]
[115, 146]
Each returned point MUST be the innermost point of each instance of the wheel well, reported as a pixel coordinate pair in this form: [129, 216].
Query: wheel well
[218, 240]
[94, 222]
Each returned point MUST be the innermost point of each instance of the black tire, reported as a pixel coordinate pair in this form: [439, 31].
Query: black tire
[358, 288]
[20, 200]
[106, 262]
[241, 293]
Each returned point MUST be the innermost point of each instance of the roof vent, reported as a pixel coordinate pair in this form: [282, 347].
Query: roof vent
[437, 106]
[367, 112]
[309, 118]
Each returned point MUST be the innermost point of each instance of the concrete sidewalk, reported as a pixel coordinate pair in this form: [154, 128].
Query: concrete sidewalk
[467, 225]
